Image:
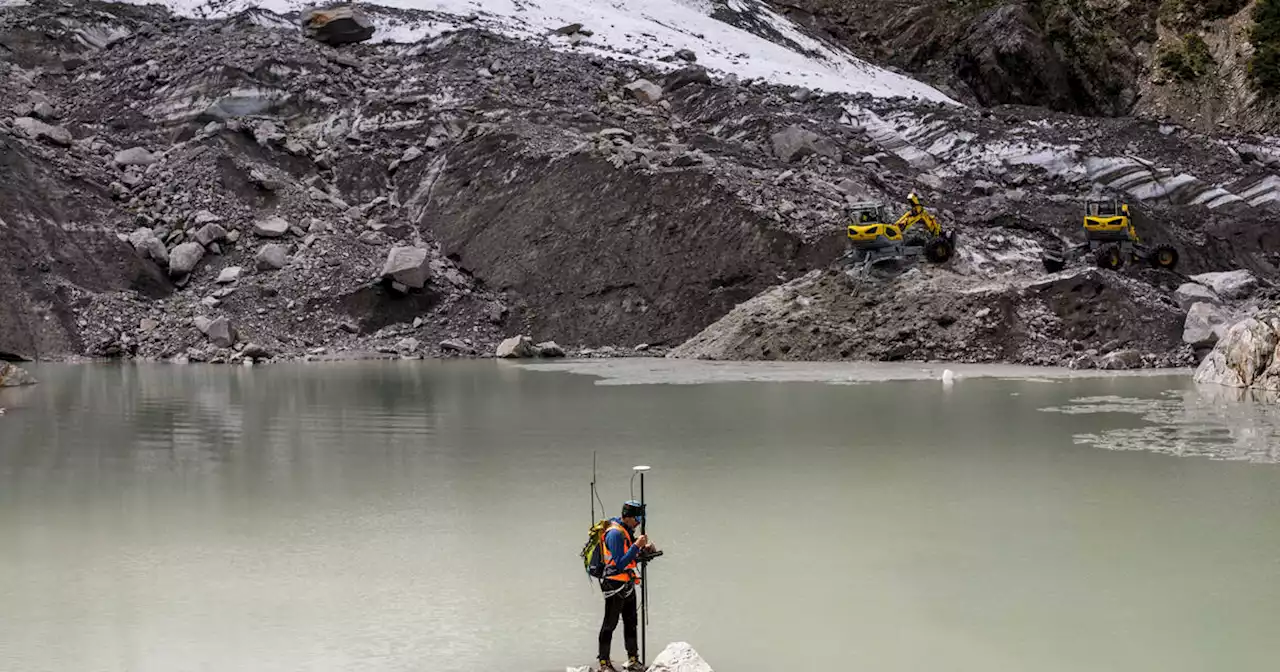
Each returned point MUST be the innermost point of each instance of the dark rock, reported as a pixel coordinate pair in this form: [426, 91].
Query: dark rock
[684, 77]
[255, 352]
[337, 25]
[456, 345]
[221, 333]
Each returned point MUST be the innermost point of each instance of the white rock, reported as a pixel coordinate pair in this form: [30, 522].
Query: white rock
[1230, 285]
[408, 345]
[679, 657]
[271, 227]
[134, 156]
[644, 91]
[516, 347]
[1189, 294]
[229, 274]
[1245, 356]
[1206, 324]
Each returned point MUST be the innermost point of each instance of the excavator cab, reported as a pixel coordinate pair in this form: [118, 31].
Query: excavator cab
[870, 228]
[1109, 221]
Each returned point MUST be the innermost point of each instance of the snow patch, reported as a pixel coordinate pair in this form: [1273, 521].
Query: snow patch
[744, 37]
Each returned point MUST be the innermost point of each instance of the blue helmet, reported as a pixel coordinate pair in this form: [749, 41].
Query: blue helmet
[633, 509]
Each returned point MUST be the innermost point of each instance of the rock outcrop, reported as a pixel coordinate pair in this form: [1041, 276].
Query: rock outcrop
[1245, 356]
[13, 376]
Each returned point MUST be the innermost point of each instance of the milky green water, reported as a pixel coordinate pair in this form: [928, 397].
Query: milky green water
[426, 516]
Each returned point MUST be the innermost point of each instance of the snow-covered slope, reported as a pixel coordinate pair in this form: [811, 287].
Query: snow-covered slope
[743, 37]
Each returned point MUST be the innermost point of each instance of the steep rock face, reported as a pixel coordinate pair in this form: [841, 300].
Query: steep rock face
[55, 247]
[650, 258]
[1246, 355]
[1096, 57]
[1077, 57]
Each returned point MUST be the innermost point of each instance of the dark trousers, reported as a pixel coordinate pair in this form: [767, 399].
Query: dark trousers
[622, 603]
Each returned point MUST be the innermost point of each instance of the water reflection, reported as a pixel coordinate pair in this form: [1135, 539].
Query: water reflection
[1203, 421]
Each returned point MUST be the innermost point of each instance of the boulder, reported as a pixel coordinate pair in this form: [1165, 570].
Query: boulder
[12, 376]
[1245, 355]
[1120, 360]
[644, 91]
[455, 345]
[1230, 285]
[271, 227]
[147, 325]
[549, 349]
[795, 143]
[203, 217]
[516, 347]
[183, 258]
[409, 266]
[679, 657]
[157, 251]
[202, 323]
[1189, 294]
[211, 233]
[686, 55]
[1206, 323]
[255, 352]
[134, 156]
[684, 77]
[221, 333]
[38, 130]
[272, 257]
[408, 345]
[339, 24]
[229, 275]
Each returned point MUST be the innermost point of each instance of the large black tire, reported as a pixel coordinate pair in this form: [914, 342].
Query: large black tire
[1164, 256]
[1109, 257]
[939, 250]
[1053, 264]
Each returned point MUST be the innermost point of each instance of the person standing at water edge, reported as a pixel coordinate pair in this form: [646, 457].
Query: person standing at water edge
[619, 584]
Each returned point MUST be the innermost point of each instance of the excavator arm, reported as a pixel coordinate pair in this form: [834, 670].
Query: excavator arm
[918, 215]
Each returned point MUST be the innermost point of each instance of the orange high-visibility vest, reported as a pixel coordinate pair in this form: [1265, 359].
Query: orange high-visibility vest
[628, 573]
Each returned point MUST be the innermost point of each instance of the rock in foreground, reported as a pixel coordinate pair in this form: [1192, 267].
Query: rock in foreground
[1246, 355]
[677, 657]
[12, 376]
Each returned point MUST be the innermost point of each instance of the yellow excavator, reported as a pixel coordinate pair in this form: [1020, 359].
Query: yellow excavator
[1112, 239]
[874, 240]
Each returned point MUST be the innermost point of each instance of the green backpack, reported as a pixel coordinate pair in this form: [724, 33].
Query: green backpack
[593, 551]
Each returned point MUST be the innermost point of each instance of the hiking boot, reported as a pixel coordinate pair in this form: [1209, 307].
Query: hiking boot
[606, 666]
[634, 665]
